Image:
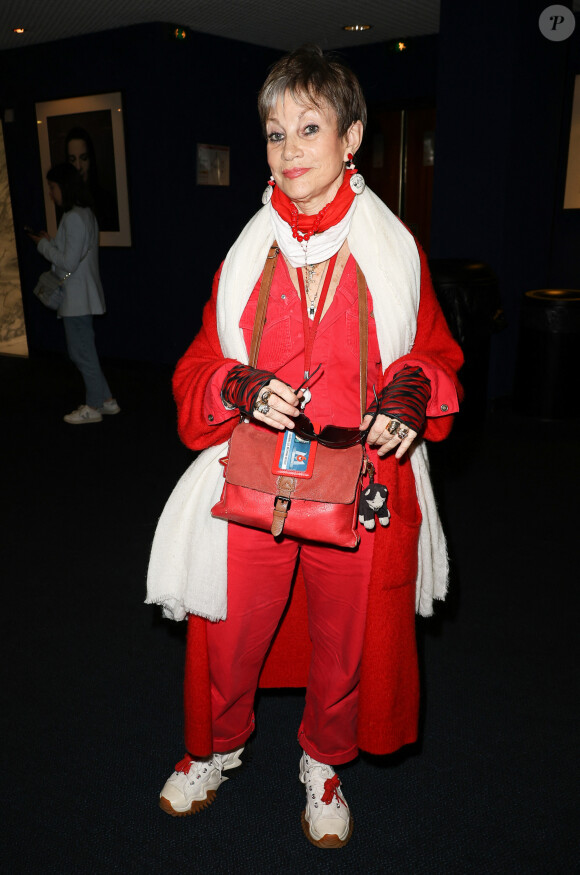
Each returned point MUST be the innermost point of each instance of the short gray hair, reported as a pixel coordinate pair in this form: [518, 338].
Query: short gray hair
[322, 78]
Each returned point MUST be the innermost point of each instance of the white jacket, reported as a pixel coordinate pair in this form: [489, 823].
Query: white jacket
[77, 236]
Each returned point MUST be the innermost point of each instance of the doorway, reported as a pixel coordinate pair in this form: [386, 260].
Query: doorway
[397, 161]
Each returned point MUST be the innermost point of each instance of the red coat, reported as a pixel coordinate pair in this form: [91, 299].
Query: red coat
[389, 684]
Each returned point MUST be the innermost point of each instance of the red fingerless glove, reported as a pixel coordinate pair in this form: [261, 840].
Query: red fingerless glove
[242, 386]
[405, 398]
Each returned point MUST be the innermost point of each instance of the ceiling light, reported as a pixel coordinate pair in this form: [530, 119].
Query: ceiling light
[355, 27]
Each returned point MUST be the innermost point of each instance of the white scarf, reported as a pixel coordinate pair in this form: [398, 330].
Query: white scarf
[319, 248]
[188, 565]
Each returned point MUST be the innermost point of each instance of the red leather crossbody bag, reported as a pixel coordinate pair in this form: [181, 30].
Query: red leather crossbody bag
[281, 484]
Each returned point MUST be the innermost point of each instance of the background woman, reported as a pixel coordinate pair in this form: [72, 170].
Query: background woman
[75, 250]
[348, 634]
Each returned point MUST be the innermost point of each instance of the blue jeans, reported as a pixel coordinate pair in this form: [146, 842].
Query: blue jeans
[80, 343]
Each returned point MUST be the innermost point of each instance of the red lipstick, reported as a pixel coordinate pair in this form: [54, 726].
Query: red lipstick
[295, 172]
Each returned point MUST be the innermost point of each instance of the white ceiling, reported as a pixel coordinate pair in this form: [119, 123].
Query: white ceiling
[278, 25]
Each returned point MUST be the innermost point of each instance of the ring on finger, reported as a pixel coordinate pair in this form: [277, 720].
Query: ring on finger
[265, 394]
[402, 432]
[393, 426]
[263, 408]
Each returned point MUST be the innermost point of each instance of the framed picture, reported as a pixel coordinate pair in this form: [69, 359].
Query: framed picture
[572, 191]
[213, 164]
[89, 132]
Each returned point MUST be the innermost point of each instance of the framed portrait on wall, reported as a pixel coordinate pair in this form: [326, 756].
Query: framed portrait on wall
[213, 164]
[572, 191]
[89, 133]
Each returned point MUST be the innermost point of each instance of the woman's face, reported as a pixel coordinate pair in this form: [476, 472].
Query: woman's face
[78, 156]
[55, 193]
[305, 153]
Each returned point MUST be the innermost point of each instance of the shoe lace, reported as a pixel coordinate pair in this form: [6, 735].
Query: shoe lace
[331, 786]
[184, 765]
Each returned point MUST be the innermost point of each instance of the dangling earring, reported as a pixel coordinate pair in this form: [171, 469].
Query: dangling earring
[356, 182]
[268, 191]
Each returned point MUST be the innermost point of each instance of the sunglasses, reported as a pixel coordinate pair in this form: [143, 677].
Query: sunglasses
[336, 437]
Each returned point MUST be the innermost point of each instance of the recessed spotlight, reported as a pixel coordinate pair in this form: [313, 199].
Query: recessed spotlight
[355, 27]
[17, 30]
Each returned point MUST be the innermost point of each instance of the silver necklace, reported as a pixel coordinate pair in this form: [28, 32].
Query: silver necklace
[310, 273]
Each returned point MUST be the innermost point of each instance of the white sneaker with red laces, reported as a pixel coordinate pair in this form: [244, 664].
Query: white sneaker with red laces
[326, 821]
[194, 783]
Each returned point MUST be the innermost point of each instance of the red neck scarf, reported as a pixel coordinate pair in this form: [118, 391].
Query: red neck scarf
[303, 227]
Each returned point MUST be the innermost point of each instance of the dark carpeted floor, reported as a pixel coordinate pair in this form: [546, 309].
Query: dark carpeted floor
[92, 691]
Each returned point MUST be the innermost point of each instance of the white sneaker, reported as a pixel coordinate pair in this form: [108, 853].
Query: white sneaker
[193, 784]
[326, 821]
[83, 415]
[110, 407]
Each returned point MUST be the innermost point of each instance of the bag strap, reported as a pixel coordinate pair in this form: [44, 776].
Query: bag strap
[263, 296]
[363, 319]
[363, 337]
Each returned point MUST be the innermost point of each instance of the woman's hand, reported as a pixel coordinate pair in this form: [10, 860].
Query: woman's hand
[380, 437]
[36, 238]
[282, 402]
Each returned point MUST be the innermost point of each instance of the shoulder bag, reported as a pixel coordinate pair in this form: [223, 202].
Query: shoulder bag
[50, 288]
[316, 499]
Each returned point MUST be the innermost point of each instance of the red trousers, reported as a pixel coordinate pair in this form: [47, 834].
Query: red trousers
[260, 572]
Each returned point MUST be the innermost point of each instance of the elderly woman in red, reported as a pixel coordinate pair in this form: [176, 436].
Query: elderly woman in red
[348, 634]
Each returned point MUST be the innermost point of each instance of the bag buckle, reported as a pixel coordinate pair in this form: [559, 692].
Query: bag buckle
[282, 503]
[285, 499]
[281, 507]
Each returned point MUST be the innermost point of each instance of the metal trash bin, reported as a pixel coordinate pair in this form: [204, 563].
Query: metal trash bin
[547, 384]
[468, 293]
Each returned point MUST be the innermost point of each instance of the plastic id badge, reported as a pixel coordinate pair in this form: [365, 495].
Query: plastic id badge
[294, 455]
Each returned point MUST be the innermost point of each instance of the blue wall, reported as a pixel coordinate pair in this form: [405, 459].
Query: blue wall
[503, 118]
[393, 78]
